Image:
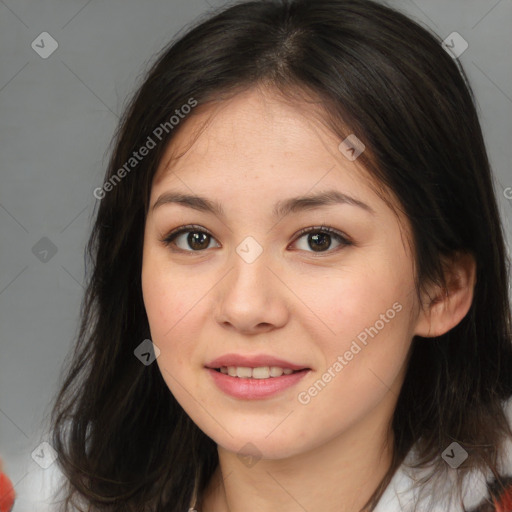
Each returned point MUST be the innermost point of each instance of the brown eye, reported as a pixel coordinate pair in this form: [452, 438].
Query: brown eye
[195, 241]
[319, 239]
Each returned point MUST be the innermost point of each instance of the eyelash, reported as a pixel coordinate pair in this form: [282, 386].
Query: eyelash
[340, 237]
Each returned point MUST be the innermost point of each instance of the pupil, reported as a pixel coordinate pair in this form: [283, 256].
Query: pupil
[194, 238]
[322, 237]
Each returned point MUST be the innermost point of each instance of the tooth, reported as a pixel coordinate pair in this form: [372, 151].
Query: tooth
[262, 372]
[243, 372]
[276, 371]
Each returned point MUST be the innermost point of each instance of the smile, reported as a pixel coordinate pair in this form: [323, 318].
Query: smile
[255, 383]
[262, 372]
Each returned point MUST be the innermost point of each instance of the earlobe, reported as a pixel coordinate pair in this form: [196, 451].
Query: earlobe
[445, 307]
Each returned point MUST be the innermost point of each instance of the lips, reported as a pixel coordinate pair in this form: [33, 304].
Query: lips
[253, 388]
[253, 362]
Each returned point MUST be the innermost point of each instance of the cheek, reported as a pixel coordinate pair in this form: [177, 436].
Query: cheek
[346, 302]
[165, 294]
[173, 306]
[363, 359]
[363, 315]
[164, 307]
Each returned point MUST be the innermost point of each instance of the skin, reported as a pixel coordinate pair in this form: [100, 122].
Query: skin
[293, 302]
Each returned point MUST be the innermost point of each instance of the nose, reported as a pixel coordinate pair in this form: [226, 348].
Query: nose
[252, 298]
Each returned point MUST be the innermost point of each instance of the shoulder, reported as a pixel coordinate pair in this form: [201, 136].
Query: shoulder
[38, 490]
[480, 492]
[497, 498]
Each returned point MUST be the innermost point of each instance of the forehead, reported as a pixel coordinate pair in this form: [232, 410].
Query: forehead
[254, 132]
[260, 140]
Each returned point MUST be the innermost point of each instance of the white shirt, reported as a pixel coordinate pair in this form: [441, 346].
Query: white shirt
[400, 495]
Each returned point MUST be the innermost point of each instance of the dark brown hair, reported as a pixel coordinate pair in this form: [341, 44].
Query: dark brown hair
[123, 441]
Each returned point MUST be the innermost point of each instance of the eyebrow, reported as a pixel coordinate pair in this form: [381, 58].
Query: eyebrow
[281, 208]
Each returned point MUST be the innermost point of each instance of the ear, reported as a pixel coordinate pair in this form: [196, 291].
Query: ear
[444, 308]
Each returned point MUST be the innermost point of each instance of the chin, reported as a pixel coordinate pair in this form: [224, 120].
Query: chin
[259, 447]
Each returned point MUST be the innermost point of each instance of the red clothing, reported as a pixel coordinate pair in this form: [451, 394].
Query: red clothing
[7, 494]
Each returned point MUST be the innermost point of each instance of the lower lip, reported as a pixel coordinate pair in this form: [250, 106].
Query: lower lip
[254, 389]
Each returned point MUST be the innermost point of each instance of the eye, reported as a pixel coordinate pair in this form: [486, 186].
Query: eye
[319, 238]
[198, 239]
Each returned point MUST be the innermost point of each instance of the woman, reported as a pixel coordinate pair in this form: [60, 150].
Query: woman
[299, 285]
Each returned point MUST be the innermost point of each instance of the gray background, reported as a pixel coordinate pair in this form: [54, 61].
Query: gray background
[57, 117]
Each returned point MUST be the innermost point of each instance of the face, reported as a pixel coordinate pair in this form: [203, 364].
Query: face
[245, 281]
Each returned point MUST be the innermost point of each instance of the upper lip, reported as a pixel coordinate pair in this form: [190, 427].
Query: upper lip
[252, 362]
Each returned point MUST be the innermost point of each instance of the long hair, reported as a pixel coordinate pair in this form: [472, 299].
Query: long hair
[123, 441]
